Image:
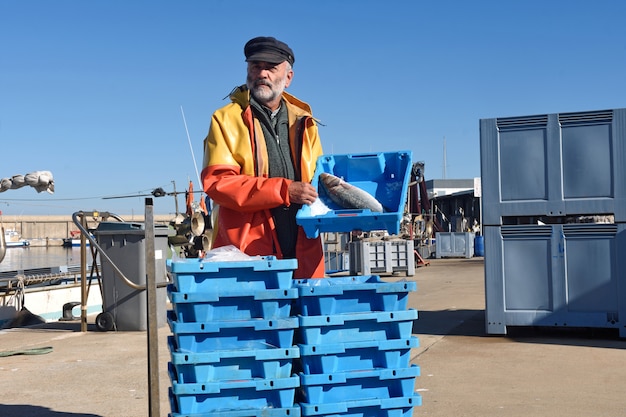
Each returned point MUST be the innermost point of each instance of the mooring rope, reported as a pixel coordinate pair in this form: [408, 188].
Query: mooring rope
[17, 299]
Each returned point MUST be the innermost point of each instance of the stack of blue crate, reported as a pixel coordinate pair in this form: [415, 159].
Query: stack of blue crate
[232, 347]
[355, 338]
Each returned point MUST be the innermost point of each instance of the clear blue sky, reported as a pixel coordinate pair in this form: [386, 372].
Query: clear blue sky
[92, 90]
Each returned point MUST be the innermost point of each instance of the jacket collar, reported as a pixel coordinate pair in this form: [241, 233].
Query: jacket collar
[241, 96]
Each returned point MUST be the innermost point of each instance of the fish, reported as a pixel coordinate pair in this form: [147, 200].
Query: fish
[347, 195]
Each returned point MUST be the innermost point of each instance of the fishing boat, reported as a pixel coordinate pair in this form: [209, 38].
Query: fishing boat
[48, 293]
[74, 240]
[13, 239]
[73, 243]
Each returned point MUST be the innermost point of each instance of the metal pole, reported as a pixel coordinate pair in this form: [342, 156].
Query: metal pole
[83, 277]
[175, 197]
[151, 295]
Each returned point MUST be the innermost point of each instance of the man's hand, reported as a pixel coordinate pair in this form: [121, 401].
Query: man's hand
[302, 193]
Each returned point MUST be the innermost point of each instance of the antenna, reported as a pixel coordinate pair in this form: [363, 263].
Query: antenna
[444, 158]
[175, 197]
[190, 147]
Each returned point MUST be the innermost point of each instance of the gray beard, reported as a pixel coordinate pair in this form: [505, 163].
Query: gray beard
[265, 95]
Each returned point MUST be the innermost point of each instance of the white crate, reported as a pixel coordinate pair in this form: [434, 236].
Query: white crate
[378, 257]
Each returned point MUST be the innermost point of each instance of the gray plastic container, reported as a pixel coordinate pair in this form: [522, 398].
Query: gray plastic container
[561, 275]
[554, 165]
[124, 243]
[454, 244]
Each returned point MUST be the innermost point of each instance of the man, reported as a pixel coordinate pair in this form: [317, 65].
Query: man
[259, 159]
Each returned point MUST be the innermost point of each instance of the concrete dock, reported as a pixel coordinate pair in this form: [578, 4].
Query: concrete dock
[464, 372]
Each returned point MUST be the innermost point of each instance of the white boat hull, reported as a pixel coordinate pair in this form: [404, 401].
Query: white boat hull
[48, 301]
[74, 243]
[19, 244]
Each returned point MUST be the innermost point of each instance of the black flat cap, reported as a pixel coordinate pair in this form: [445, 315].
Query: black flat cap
[268, 49]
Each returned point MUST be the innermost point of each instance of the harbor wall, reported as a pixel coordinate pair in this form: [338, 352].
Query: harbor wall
[51, 230]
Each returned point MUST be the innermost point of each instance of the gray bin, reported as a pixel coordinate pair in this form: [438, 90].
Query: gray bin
[124, 243]
[558, 164]
[566, 275]
[454, 244]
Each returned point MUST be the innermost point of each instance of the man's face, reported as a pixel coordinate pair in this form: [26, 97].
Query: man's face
[267, 81]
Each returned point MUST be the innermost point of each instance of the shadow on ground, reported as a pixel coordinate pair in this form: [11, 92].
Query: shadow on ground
[450, 323]
[24, 410]
[471, 323]
[70, 326]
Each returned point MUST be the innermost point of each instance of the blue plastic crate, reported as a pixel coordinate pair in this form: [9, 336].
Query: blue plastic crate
[384, 175]
[252, 412]
[199, 275]
[229, 305]
[388, 407]
[232, 334]
[352, 356]
[358, 385]
[355, 294]
[231, 364]
[355, 327]
[233, 395]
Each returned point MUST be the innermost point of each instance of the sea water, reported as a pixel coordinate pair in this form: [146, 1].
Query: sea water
[23, 258]
[40, 259]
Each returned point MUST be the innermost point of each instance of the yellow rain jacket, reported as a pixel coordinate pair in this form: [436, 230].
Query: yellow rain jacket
[235, 177]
